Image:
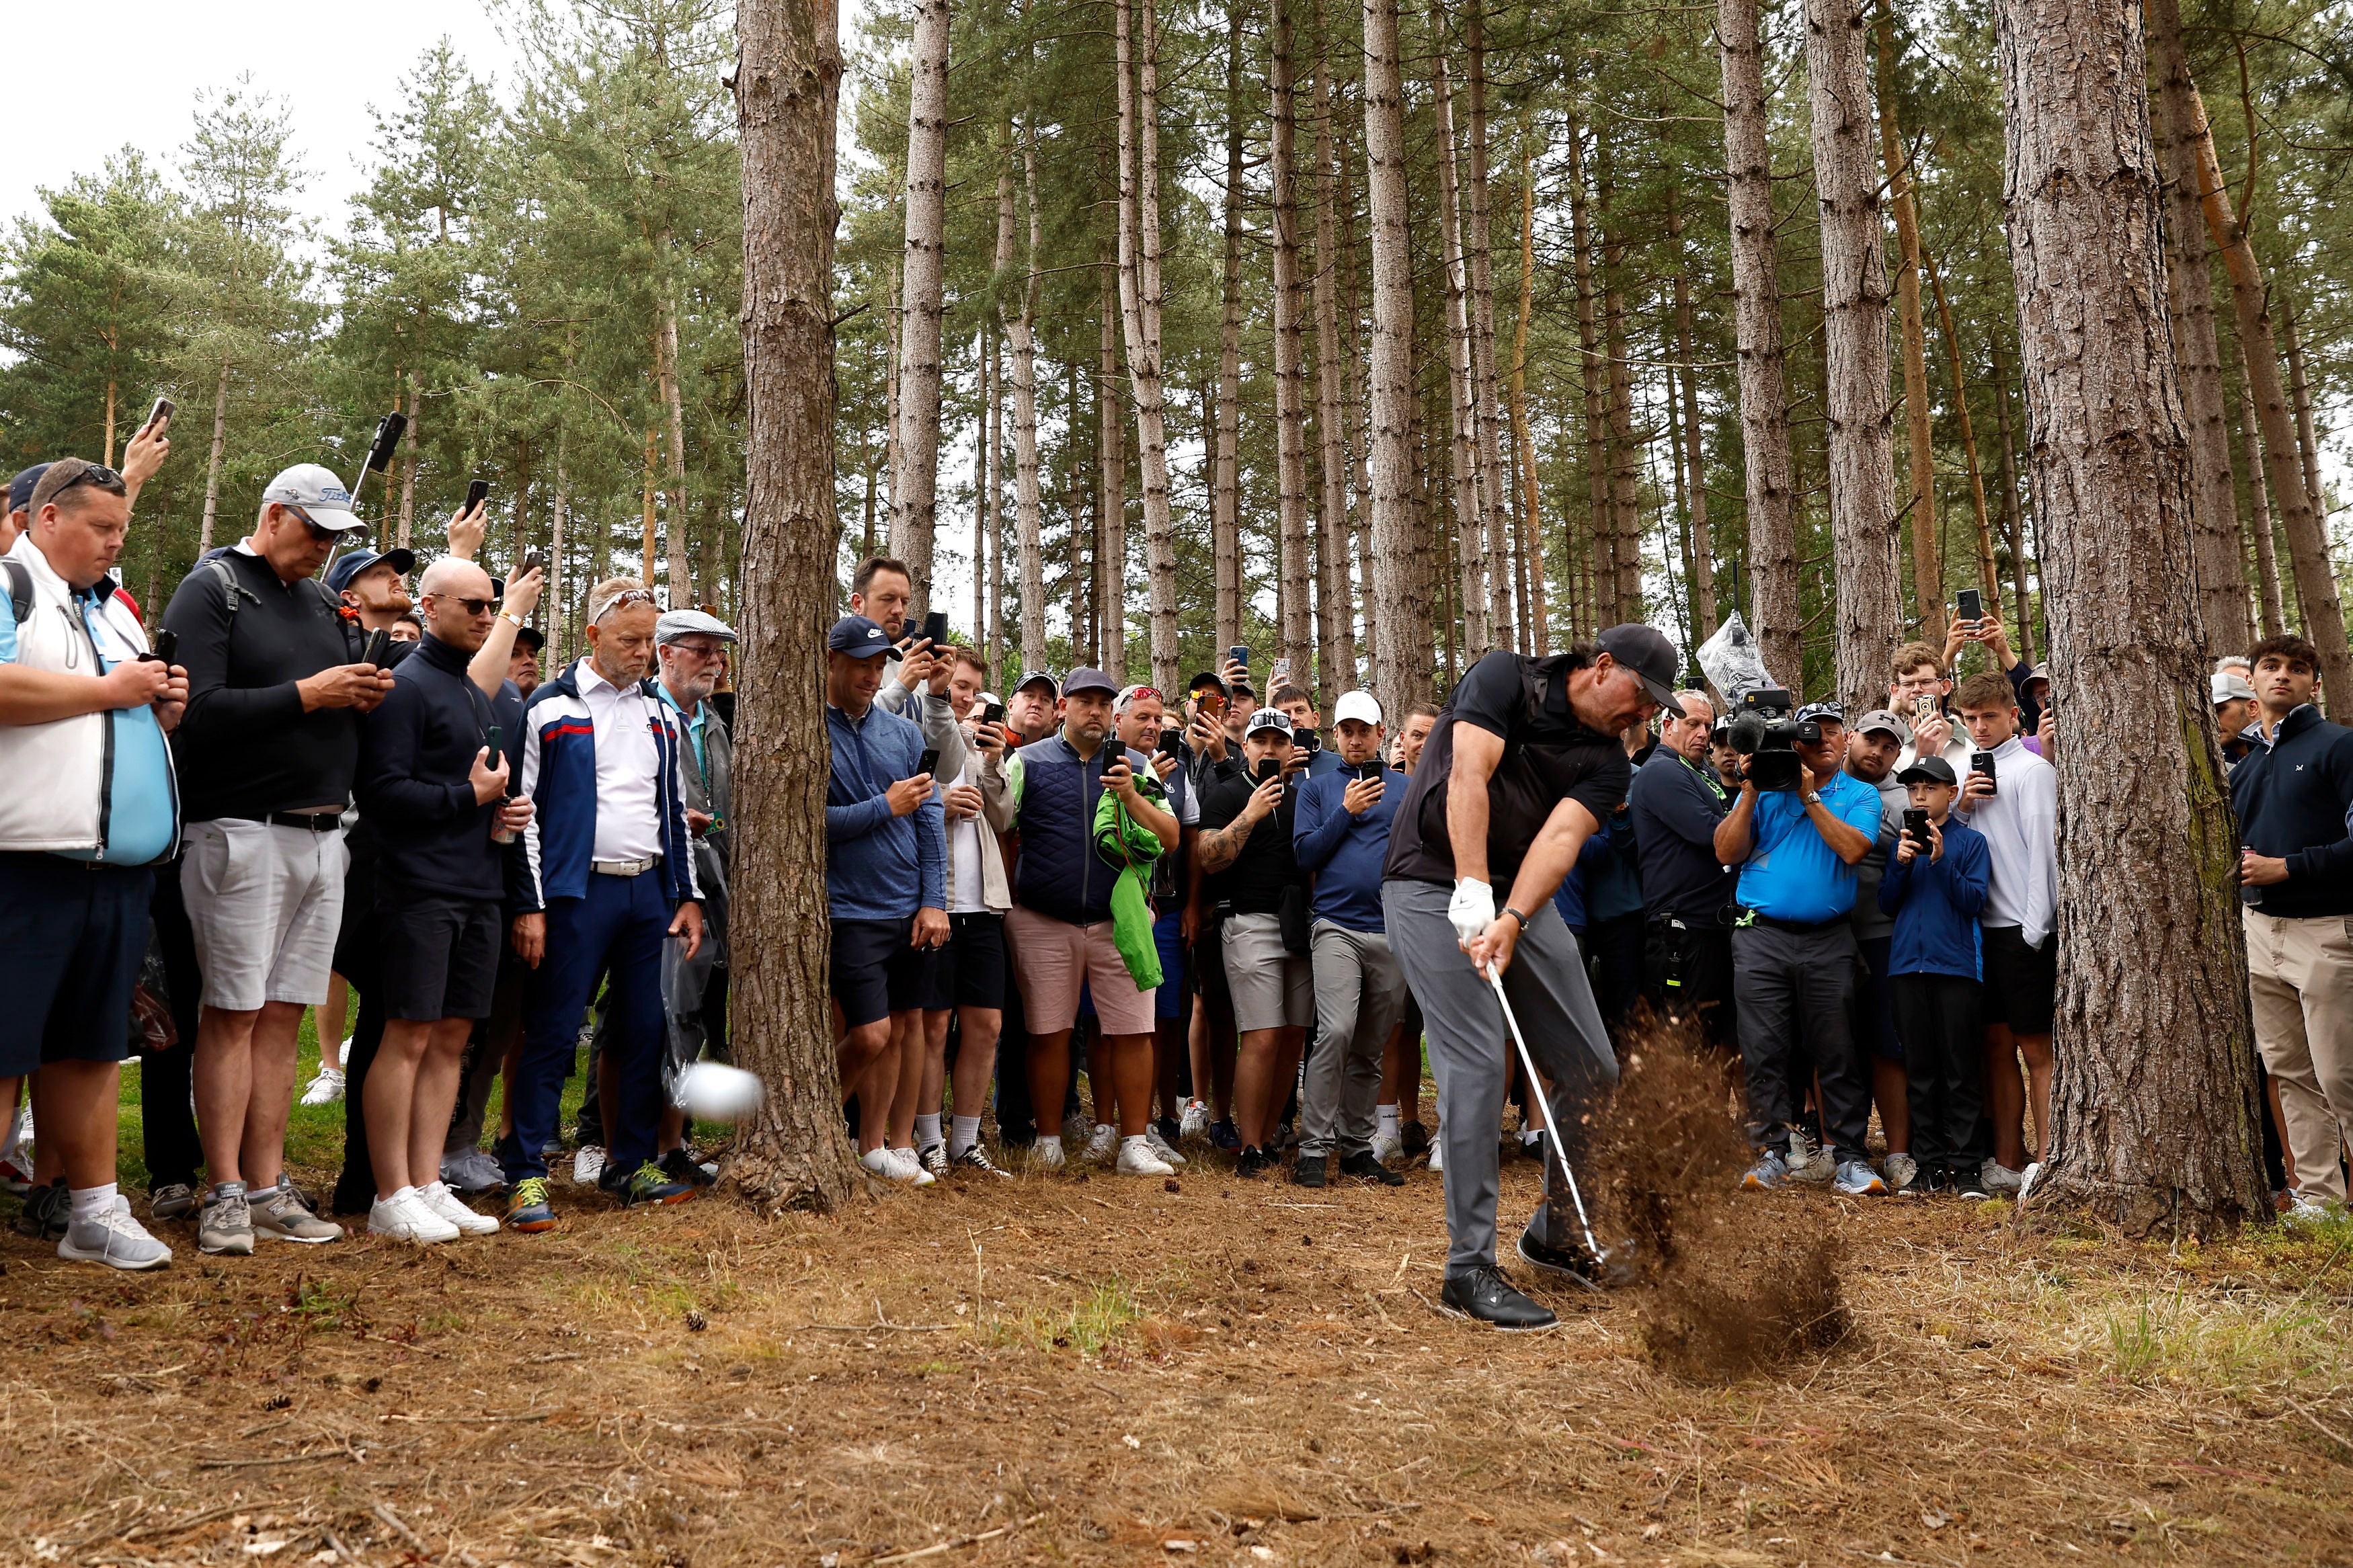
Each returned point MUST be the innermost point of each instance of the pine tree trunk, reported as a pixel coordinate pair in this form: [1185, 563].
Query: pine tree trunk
[2307, 442]
[2307, 540]
[1774, 611]
[1600, 532]
[1854, 307]
[1927, 540]
[794, 1154]
[213, 460]
[2259, 506]
[914, 521]
[2013, 528]
[982, 507]
[1336, 599]
[681, 584]
[1702, 542]
[1494, 495]
[1356, 424]
[408, 466]
[648, 536]
[2224, 606]
[1024, 330]
[1111, 474]
[1987, 577]
[1082, 636]
[1224, 482]
[1532, 539]
[2154, 1110]
[1139, 296]
[549, 615]
[1469, 536]
[1289, 394]
[1625, 460]
[1401, 624]
[108, 459]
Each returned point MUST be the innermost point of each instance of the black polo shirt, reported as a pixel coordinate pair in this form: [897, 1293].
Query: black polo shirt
[1549, 756]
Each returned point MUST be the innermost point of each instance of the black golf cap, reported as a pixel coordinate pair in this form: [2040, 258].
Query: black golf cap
[1928, 771]
[1648, 653]
[531, 637]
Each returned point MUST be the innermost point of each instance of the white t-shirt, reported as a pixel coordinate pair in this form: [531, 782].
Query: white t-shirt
[970, 894]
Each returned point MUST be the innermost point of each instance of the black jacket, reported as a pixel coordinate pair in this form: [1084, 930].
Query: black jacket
[2291, 799]
[1675, 812]
[416, 752]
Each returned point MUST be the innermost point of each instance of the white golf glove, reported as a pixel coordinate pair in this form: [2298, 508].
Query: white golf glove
[1471, 909]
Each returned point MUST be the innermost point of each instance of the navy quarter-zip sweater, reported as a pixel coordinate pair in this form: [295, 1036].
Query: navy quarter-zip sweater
[417, 752]
[2291, 798]
[1935, 904]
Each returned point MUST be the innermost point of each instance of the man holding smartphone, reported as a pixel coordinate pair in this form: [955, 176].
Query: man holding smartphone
[1916, 691]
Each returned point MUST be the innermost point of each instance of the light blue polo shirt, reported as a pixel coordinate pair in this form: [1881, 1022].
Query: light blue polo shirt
[138, 827]
[1792, 874]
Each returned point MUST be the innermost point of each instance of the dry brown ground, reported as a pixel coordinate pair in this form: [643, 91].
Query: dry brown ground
[1098, 1371]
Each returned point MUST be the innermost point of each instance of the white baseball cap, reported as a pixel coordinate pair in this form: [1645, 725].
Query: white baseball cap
[1357, 705]
[1273, 719]
[318, 492]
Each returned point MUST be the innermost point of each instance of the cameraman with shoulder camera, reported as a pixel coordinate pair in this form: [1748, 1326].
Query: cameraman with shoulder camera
[1798, 830]
[1522, 768]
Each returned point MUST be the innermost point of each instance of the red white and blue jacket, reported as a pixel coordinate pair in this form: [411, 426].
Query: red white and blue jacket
[559, 774]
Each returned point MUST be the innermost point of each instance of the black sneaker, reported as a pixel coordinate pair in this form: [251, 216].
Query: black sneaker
[1414, 1138]
[1365, 1167]
[1171, 1131]
[1255, 1163]
[1483, 1295]
[680, 1165]
[1307, 1171]
[47, 1210]
[1575, 1263]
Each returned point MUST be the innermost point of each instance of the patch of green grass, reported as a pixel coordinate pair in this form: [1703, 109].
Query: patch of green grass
[2233, 1344]
[1107, 1311]
[319, 1307]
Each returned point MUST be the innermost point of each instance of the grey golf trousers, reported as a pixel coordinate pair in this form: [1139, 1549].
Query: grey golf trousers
[1471, 1051]
[1358, 995]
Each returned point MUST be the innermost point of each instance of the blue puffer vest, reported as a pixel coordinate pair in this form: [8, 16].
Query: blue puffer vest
[1060, 873]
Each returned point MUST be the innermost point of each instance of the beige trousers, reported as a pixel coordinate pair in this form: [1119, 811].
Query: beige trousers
[2301, 975]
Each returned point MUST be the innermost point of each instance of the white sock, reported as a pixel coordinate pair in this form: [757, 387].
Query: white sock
[92, 1203]
[963, 1131]
[1528, 1138]
[927, 1130]
[1050, 1141]
[1386, 1119]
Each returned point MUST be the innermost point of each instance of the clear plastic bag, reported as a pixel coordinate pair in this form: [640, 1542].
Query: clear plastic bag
[1732, 661]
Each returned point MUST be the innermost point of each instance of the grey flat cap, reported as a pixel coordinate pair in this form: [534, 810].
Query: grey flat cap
[676, 624]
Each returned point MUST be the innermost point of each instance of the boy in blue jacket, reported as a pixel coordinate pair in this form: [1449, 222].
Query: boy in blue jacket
[1934, 886]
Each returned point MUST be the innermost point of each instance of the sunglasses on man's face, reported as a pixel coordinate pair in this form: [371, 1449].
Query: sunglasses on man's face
[317, 535]
[476, 607]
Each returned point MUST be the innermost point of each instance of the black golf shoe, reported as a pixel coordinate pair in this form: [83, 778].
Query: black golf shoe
[1365, 1168]
[1483, 1295]
[1307, 1171]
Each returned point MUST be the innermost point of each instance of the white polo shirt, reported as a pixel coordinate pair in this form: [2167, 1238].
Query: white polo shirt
[628, 805]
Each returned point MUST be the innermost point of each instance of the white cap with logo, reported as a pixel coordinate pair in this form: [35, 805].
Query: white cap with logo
[319, 494]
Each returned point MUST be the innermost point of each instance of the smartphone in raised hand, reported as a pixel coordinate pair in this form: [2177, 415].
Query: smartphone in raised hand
[477, 490]
[929, 762]
[1970, 605]
[936, 627]
[164, 408]
[166, 647]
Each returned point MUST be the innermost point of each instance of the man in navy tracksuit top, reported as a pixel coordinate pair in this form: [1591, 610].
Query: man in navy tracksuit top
[1340, 835]
[1935, 889]
[607, 876]
[885, 887]
[2292, 795]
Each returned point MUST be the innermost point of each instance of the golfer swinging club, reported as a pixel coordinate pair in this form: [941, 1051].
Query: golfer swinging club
[1524, 765]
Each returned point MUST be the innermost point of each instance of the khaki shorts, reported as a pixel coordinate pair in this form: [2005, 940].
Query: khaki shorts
[265, 904]
[1051, 959]
[1273, 986]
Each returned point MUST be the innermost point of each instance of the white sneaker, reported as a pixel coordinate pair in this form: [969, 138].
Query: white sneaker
[1438, 1150]
[1195, 1122]
[115, 1239]
[326, 1089]
[438, 1198]
[1046, 1154]
[1809, 1162]
[1102, 1144]
[878, 1161]
[1999, 1179]
[1388, 1148]
[2304, 1213]
[1901, 1170]
[1137, 1159]
[909, 1167]
[2026, 1179]
[405, 1216]
[1162, 1147]
[587, 1166]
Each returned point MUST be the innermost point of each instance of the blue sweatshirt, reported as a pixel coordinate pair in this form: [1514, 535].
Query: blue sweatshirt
[1935, 904]
[1569, 898]
[1345, 852]
[2292, 798]
[879, 867]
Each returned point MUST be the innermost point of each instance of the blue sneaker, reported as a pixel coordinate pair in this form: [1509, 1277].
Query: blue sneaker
[529, 1209]
[1223, 1135]
[652, 1184]
[1767, 1173]
[1856, 1178]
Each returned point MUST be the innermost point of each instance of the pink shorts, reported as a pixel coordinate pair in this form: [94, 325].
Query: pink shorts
[1051, 959]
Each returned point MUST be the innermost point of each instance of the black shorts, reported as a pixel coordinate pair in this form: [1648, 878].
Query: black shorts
[874, 973]
[72, 936]
[2021, 985]
[970, 971]
[438, 958]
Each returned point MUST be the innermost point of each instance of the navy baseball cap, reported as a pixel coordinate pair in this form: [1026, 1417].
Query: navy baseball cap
[1031, 678]
[857, 636]
[20, 488]
[1928, 771]
[347, 568]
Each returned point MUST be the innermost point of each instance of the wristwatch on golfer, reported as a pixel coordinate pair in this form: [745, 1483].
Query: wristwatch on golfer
[1517, 916]
[1812, 797]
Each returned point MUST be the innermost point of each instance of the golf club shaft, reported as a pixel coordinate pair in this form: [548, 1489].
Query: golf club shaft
[1552, 1122]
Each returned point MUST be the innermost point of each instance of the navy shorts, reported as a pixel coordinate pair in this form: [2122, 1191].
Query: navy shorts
[74, 933]
[970, 971]
[438, 957]
[2021, 985]
[874, 974]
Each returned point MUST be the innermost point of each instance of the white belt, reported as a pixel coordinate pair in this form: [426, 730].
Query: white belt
[625, 867]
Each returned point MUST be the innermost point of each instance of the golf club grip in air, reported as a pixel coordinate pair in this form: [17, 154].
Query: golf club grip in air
[1552, 1130]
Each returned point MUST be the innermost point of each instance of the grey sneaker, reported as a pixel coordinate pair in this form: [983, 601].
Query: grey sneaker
[225, 1225]
[1808, 1160]
[2000, 1180]
[1769, 1171]
[280, 1217]
[173, 1199]
[47, 1209]
[1856, 1178]
[115, 1239]
[1902, 1170]
[471, 1171]
[2310, 1214]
